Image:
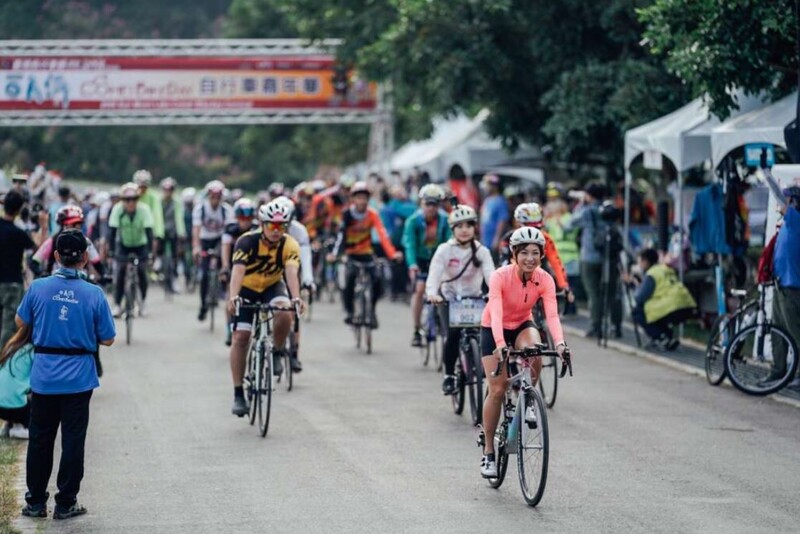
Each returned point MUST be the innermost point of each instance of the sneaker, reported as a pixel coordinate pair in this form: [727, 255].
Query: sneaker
[143, 309]
[4, 430]
[449, 384]
[34, 510]
[348, 320]
[202, 315]
[277, 364]
[240, 407]
[416, 340]
[671, 344]
[116, 311]
[295, 364]
[65, 513]
[18, 432]
[488, 466]
[530, 417]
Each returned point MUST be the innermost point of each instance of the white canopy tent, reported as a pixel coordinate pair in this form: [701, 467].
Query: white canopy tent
[762, 125]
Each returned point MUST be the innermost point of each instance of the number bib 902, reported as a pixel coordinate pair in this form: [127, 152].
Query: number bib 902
[466, 313]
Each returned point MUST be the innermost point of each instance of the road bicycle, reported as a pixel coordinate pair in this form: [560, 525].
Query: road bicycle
[723, 329]
[762, 357]
[257, 383]
[325, 272]
[212, 296]
[548, 376]
[432, 335]
[168, 270]
[290, 351]
[523, 427]
[464, 314]
[363, 313]
[132, 294]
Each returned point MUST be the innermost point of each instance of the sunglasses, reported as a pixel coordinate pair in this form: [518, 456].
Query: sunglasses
[129, 199]
[431, 203]
[273, 226]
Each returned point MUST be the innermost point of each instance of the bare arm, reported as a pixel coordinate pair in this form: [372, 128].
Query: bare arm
[107, 342]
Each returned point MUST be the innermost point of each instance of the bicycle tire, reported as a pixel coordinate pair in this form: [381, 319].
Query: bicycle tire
[252, 394]
[549, 374]
[367, 307]
[166, 267]
[130, 299]
[212, 297]
[746, 368]
[265, 392]
[458, 397]
[476, 384]
[288, 353]
[501, 457]
[532, 483]
[716, 348]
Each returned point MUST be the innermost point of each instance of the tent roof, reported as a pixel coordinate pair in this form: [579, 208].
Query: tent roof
[447, 133]
[683, 135]
[762, 125]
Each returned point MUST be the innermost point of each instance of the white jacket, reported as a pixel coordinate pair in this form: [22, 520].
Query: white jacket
[448, 261]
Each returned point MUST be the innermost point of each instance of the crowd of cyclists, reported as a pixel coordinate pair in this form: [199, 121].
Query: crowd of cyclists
[287, 244]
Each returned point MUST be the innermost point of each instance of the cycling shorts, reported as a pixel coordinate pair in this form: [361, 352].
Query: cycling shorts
[510, 336]
[424, 267]
[275, 294]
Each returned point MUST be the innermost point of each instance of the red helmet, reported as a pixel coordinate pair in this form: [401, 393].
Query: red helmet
[69, 215]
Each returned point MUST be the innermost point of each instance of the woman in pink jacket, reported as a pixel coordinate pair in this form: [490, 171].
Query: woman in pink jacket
[508, 322]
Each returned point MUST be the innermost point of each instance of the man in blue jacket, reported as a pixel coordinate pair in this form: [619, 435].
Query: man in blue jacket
[422, 233]
[69, 317]
[786, 268]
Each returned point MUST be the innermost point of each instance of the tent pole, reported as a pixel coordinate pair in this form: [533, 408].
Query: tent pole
[681, 222]
[627, 210]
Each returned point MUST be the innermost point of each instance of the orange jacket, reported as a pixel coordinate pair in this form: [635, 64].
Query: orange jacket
[356, 235]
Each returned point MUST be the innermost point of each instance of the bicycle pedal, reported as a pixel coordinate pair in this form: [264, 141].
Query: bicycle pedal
[481, 439]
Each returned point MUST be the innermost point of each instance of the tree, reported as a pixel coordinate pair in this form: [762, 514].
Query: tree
[715, 46]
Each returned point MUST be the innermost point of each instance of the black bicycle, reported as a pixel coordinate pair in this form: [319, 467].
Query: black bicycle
[131, 294]
[722, 331]
[464, 314]
[548, 376]
[363, 313]
[212, 297]
[431, 334]
[523, 427]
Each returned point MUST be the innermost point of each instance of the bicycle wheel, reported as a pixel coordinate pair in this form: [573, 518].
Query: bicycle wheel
[130, 300]
[533, 450]
[212, 297]
[475, 383]
[458, 397]
[287, 354]
[721, 333]
[548, 377]
[252, 377]
[368, 324]
[166, 267]
[265, 391]
[761, 359]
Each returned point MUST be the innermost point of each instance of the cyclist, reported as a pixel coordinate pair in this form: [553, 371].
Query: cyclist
[44, 263]
[326, 208]
[508, 322]
[261, 260]
[245, 213]
[209, 219]
[355, 240]
[530, 214]
[174, 224]
[458, 269]
[143, 178]
[133, 222]
[425, 230]
[187, 197]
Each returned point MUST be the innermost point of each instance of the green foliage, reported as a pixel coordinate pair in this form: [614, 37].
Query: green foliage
[718, 45]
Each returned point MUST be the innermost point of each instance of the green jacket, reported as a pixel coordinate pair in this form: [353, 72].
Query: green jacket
[131, 228]
[669, 295]
[153, 201]
[566, 242]
[180, 222]
[414, 237]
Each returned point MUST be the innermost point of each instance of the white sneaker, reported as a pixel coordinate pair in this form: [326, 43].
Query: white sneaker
[157, 265]
[488, 467]
[18, 432]
[116, 311]
[143, 309]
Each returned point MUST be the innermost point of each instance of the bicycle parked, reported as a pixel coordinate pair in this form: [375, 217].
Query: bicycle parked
[722, 331]
[523, 428]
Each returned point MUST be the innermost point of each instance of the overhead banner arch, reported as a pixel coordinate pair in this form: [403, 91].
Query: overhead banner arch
[174, 82]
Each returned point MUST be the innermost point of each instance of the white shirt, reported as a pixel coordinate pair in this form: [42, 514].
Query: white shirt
[448, 261]
[212, 221]
[300, 234]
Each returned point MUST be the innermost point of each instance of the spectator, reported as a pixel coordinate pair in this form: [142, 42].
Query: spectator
[494, 214]
[557, 218]
[662, 301]
[15, 242]
[16, 361]
[786, 268]
[396, 209]
[69, 317]
[64, 198]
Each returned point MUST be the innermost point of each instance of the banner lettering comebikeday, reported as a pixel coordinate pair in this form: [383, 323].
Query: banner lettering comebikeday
[212, 84]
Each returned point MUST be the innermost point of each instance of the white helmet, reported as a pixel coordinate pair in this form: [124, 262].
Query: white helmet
[274, 212]
[100, 198]
[215, 187]
[129, 190]
[526, 236]
[528, 213]
[347, 181]
[286, 201]
[431, 193]
[188, 194]
[462, 213]
[142, 177]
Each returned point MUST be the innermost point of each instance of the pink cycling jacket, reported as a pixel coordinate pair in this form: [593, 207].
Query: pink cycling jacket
[511, 302]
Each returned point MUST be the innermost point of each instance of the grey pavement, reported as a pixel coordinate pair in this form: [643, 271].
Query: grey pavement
[369, 444]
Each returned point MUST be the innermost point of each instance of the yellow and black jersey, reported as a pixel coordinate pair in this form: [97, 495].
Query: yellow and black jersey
[263, 262]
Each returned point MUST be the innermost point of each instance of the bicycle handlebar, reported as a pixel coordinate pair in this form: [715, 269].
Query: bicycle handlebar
[536, 351]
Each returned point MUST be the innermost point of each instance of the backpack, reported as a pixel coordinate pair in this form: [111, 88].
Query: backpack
[616, 243]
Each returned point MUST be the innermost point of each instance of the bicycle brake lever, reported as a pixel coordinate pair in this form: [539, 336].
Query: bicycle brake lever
[567, 365]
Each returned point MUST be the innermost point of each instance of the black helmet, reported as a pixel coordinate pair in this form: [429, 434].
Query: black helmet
[609, 212]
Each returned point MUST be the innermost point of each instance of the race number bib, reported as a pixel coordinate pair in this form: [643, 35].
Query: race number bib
[466, 312]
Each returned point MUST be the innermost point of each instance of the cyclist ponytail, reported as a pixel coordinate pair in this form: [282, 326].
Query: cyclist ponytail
[475, 261]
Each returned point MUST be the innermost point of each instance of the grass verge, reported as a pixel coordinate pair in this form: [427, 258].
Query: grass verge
[9, 453]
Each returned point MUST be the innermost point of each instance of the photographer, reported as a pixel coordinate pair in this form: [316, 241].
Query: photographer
[662, 301]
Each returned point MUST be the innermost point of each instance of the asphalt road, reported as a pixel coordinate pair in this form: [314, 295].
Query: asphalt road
[369, 444]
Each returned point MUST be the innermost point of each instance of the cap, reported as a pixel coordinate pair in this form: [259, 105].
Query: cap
[71, 244]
